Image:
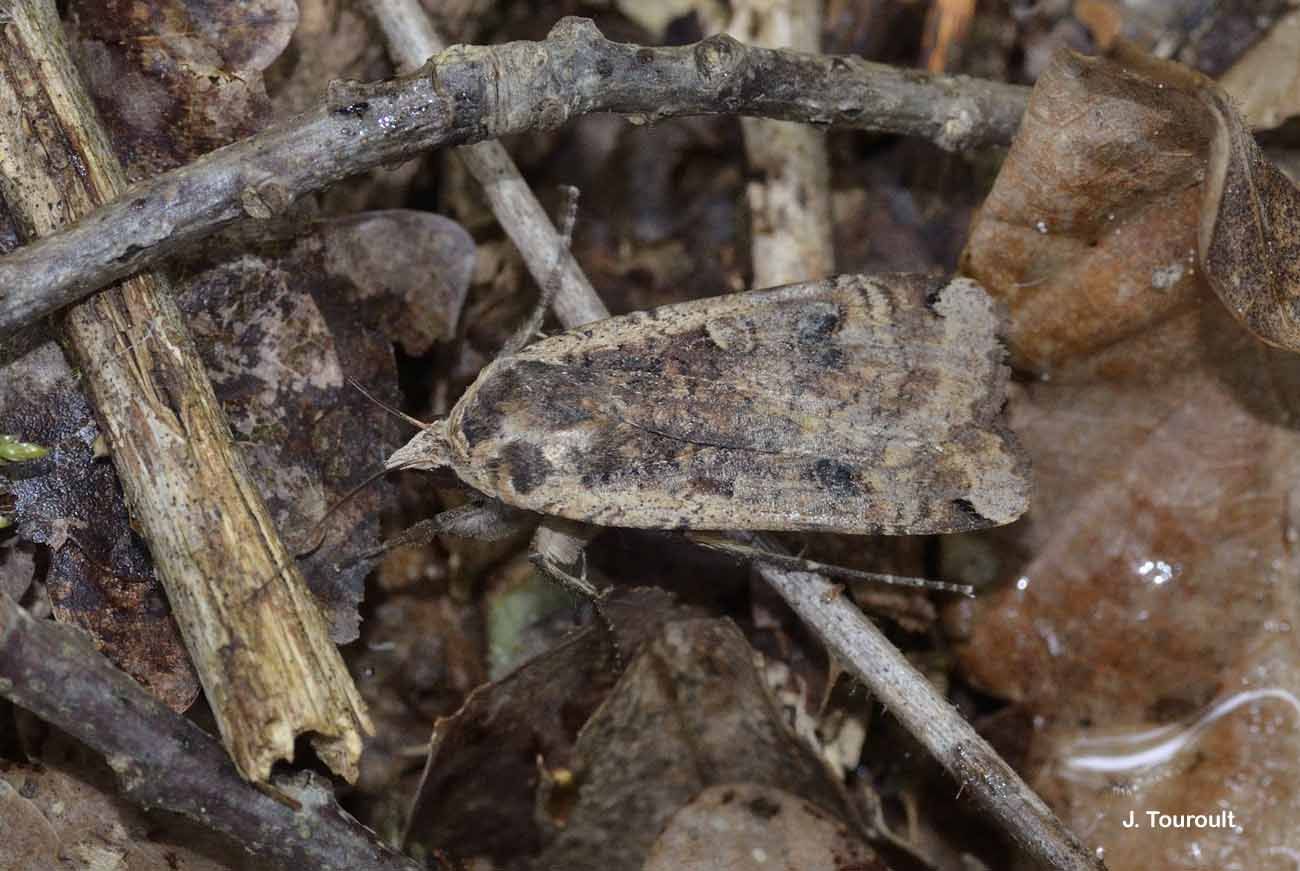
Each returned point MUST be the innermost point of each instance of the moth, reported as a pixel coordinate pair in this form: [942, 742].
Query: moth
[857, 404]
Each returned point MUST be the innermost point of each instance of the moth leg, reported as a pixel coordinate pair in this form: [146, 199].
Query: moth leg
[488, 520]
[551, 287]
[559, 550]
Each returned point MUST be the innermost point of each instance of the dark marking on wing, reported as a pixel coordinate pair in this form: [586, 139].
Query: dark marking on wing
[932, 297]
[967, 511]
[816, 329]
[836, 477]
[517, 383]
[526, 465]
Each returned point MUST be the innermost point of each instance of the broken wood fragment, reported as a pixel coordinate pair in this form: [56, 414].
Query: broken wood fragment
[162, 760]
[254, 632]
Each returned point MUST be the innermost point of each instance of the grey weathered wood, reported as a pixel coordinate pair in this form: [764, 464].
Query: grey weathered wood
[163, 760]
[472, 93]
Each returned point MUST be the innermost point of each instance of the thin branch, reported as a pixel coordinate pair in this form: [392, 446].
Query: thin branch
[790, 192]
[869, 656]
[472, 93]
[255, 634]
[412, 41]
[162, 760]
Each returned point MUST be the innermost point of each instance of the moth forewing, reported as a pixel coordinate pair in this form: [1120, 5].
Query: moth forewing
[855, 404]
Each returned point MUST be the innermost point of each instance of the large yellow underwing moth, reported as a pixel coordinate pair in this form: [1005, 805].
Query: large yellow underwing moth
[857, 404]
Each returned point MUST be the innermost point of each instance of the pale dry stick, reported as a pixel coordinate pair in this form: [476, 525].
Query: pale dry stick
[473, 93]
[790, 200]
[412, 40]
[162, 760]
[255, 634]
[869, 656]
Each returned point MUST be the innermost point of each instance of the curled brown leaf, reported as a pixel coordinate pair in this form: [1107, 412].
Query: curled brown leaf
[1088, 234]
[1250, 230]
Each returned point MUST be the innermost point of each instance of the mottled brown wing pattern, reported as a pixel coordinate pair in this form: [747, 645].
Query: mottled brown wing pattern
[855, 404]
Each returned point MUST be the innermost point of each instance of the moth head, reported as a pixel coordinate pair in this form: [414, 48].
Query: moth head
[428, 451]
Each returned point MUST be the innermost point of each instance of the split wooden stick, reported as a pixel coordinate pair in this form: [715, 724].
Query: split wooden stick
[257, 638]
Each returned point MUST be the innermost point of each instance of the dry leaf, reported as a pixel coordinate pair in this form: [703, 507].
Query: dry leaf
[745, 827]
[173, 79]
[1230, 767]
[1144, 623]
[1250, 231]
[1088, 233]
[283, 328]
[482, 784]
[690, 712]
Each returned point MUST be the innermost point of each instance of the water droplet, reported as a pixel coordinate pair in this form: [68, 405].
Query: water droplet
[1156, 571]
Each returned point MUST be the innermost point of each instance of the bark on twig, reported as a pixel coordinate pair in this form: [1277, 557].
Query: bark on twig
[472, 93]
[162, 760]
[790, 200]
[412, 40]
[870, 657]
[257, 638]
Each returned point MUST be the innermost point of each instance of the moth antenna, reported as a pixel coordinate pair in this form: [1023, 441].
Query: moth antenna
[551, 286]
[351, 494]
[318, 534]
[800, 564]
[419, 424]
[489, 520]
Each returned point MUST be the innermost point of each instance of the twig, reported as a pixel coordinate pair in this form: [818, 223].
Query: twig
[866, 654]
[472, 93]
[162, 760]
[256, 636]
[412, 40]
[790, 198]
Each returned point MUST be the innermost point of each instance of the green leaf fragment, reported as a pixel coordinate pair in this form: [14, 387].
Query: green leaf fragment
[14, 451]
